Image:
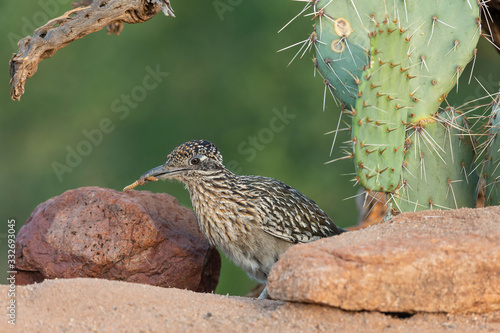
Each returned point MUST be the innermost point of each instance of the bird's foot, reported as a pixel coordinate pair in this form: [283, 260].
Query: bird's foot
[264, 294]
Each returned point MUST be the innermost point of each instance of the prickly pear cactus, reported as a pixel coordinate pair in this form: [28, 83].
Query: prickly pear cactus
[412, 54]
[391, 63]
[492, 170]
[381, 110]
[438, 168]
[440, 38]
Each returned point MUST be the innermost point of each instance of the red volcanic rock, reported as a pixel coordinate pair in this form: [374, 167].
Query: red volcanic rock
[134, 236]
[430, 261]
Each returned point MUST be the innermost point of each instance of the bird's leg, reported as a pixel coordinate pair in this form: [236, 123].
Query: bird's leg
[264, 294]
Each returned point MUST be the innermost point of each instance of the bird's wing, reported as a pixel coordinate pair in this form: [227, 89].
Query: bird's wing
[290, 215]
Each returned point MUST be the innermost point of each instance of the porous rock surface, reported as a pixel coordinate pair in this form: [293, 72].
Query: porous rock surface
[134, 236]
[96, 305]
[429, 261]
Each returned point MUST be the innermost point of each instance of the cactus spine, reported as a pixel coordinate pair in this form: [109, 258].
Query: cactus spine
[438, 169]
[492, 176]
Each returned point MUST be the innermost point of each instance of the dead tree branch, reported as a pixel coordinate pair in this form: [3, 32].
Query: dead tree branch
[73, 25]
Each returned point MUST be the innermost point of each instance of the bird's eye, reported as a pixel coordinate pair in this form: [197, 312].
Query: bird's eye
[195, 161]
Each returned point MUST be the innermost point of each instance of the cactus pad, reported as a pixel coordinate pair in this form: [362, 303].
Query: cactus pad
[381, 110]
[438, 171]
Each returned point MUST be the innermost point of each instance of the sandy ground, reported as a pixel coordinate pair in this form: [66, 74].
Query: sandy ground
[94, 305]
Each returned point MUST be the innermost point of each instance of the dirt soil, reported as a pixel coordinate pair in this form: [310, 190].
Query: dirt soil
[95, 305]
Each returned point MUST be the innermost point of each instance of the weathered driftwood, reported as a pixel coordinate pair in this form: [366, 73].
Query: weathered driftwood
[73, 25]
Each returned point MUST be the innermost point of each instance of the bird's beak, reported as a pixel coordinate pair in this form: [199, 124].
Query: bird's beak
[164, 171]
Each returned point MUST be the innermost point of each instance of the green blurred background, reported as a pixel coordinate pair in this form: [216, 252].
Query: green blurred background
[224, 80]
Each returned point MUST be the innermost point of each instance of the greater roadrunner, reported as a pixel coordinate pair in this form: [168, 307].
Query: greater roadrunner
[252, 219]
